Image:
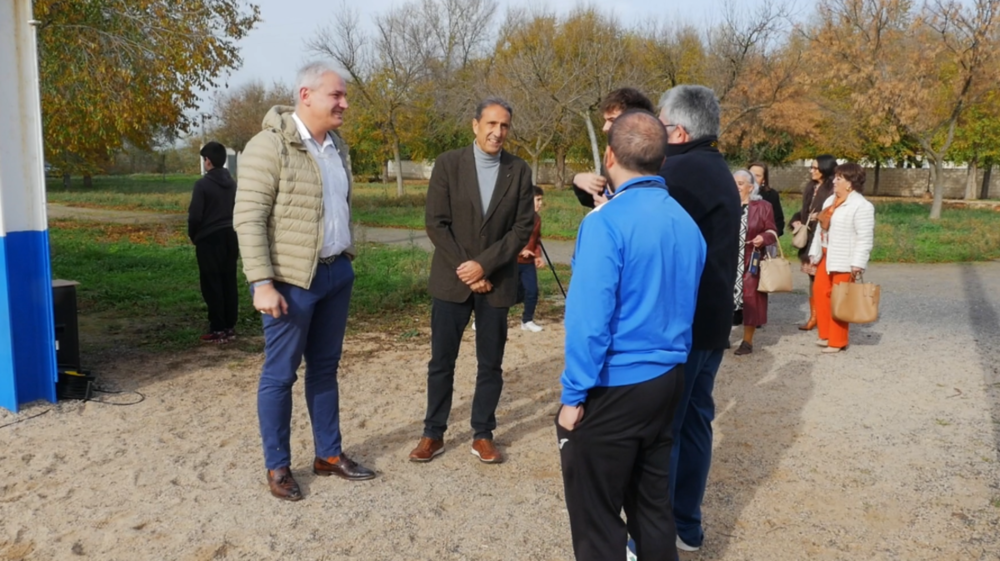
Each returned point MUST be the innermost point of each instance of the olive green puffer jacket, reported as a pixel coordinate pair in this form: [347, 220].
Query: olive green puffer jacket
[279, 203]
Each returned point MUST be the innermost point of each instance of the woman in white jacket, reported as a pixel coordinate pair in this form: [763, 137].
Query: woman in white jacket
[841, 250]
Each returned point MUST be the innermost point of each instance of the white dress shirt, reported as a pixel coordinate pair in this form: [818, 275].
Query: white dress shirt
[336, 211]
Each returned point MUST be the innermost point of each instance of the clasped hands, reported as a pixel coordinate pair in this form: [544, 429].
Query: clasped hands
[472, 274]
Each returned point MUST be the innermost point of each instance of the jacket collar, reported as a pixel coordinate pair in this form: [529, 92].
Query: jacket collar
[710, 143]
[279, 119]
[505, 177]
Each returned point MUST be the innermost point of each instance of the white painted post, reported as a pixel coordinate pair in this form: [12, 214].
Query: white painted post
[27, 331]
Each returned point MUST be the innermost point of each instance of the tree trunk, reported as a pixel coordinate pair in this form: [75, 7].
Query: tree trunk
[67, 183]
[878, 168]
[534, 167]
[593, 142]
[938, 169]
[970, 181]
[88, 181]
[399, 166]
[984, 192]
[385, 172]
[560, 167]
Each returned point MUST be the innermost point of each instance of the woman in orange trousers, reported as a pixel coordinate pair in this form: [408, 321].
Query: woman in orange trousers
[841, 250]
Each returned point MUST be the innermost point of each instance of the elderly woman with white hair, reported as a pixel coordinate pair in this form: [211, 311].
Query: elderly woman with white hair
[757, 230]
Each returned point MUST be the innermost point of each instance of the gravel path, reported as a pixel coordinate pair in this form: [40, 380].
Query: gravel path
[888, 451]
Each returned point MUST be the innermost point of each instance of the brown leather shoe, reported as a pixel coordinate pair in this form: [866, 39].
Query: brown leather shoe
[283, 485]
[427, 449]
[342, 466]
[486, 451]
[745, 349]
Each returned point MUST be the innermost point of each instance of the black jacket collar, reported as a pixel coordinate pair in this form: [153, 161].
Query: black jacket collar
[707, 142]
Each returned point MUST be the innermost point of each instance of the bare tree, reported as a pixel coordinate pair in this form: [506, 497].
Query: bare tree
[386, 67]
[236, 114]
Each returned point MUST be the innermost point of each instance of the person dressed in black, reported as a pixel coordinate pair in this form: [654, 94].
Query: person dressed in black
[210, 227]
[699, 179]
[768, 193]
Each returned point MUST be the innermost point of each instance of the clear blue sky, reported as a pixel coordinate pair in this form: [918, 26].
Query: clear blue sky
[275, 49]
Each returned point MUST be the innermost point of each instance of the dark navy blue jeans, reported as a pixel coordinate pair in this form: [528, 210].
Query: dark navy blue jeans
[528, 289]
[312, 329]
[692, 452]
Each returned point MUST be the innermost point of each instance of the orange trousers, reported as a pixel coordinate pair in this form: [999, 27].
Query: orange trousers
[833, 330]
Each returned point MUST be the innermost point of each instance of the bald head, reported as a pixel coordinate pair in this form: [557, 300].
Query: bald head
[638, 142]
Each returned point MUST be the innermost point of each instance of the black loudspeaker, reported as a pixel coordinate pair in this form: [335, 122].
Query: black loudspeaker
[67, 331]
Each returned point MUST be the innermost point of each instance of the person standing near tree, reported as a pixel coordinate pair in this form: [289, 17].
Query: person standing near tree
[480, 213]
[590, 187]
[293, 219]
[210, 227]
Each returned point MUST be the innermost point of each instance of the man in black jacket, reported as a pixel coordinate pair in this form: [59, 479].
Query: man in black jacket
[210, 227]
[699, 179]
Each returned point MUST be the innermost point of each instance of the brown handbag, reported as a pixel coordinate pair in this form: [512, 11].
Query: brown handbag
[855, 302]
[775, 273]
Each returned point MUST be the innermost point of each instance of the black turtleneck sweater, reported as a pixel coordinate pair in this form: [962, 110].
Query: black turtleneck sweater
[212, 204]
[698, 177]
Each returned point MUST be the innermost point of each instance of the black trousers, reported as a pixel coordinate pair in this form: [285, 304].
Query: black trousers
[448, 321]
[217, 254]
[618, 457]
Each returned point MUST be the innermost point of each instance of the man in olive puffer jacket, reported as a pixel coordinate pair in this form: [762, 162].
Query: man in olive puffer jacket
[293, 220]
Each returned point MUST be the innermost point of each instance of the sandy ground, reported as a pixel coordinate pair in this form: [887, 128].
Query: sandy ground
[888, 451]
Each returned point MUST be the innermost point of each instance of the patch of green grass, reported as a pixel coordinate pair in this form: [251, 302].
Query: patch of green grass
[140, 192]
[139, 284]
[905, 234]
[376, 204]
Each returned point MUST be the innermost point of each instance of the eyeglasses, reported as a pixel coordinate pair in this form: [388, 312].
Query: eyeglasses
[668, 125]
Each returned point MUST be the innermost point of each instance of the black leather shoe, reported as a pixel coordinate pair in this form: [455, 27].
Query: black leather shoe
[745, 349]
[342, 466]
[283, 485]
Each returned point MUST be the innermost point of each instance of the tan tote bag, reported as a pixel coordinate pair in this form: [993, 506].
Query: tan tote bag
[800, 237]
[855, 301]
[775, 272]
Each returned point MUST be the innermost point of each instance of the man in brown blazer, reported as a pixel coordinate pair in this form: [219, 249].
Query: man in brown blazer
[480, 212]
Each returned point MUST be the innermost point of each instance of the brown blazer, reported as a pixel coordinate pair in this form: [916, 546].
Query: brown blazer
[459, 231]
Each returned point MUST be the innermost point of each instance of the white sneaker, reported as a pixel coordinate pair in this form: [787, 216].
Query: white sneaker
[531, 326]
[685, 547]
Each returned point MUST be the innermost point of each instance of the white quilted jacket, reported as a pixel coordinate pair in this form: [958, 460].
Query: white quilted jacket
[850, 238]
[279, 203]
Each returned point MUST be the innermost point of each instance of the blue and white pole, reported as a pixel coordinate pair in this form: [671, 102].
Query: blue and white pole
[27, 331]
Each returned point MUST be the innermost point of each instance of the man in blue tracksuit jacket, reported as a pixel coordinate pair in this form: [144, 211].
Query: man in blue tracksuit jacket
[629, 314]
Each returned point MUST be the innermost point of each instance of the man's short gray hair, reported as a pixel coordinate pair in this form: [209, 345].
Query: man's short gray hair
[755, 192]
[693, 107]
[491, 101]
[310, 75]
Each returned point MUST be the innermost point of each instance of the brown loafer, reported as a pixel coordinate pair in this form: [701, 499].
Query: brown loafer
[427, 449]
[745, 349]
[283, 485]
[343, 467]
[486, 451]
